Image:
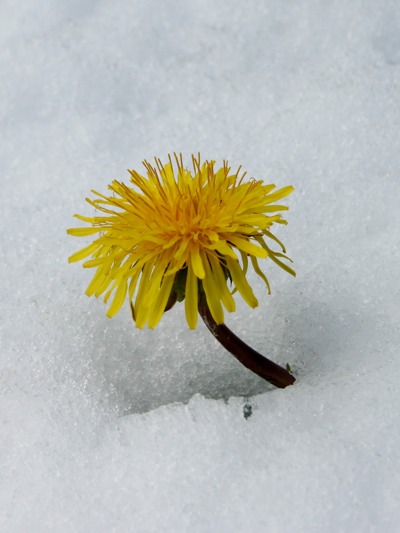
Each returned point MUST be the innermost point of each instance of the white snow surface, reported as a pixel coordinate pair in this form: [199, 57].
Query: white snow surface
[107, 428]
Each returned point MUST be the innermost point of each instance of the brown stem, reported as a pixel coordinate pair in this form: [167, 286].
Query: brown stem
[251, 359]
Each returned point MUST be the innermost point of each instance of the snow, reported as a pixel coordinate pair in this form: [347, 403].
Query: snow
[110, 428]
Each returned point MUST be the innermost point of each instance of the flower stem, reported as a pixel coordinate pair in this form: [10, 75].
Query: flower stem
[251, 359]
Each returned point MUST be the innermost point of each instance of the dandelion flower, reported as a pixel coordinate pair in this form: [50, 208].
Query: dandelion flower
[176, 234]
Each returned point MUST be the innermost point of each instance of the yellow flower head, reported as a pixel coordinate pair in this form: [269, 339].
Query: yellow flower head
[178, 234]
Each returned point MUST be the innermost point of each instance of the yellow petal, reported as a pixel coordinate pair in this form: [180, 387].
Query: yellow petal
[118, 299]
[89, 220]
[133, 281]
[141, 311]
[272, 236]
[212, 294]
[182, 248]
[245, 262]
[97, 281]
[196, 261]
[260, 273]
[82, 232]
[242, 285]
[273, 208]
[98, 262]
[284, 266]
[220, 282]
[279, 194]
[223, 248]
[191, 298]
[83, 252]
[159, 305]
[248, 247]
